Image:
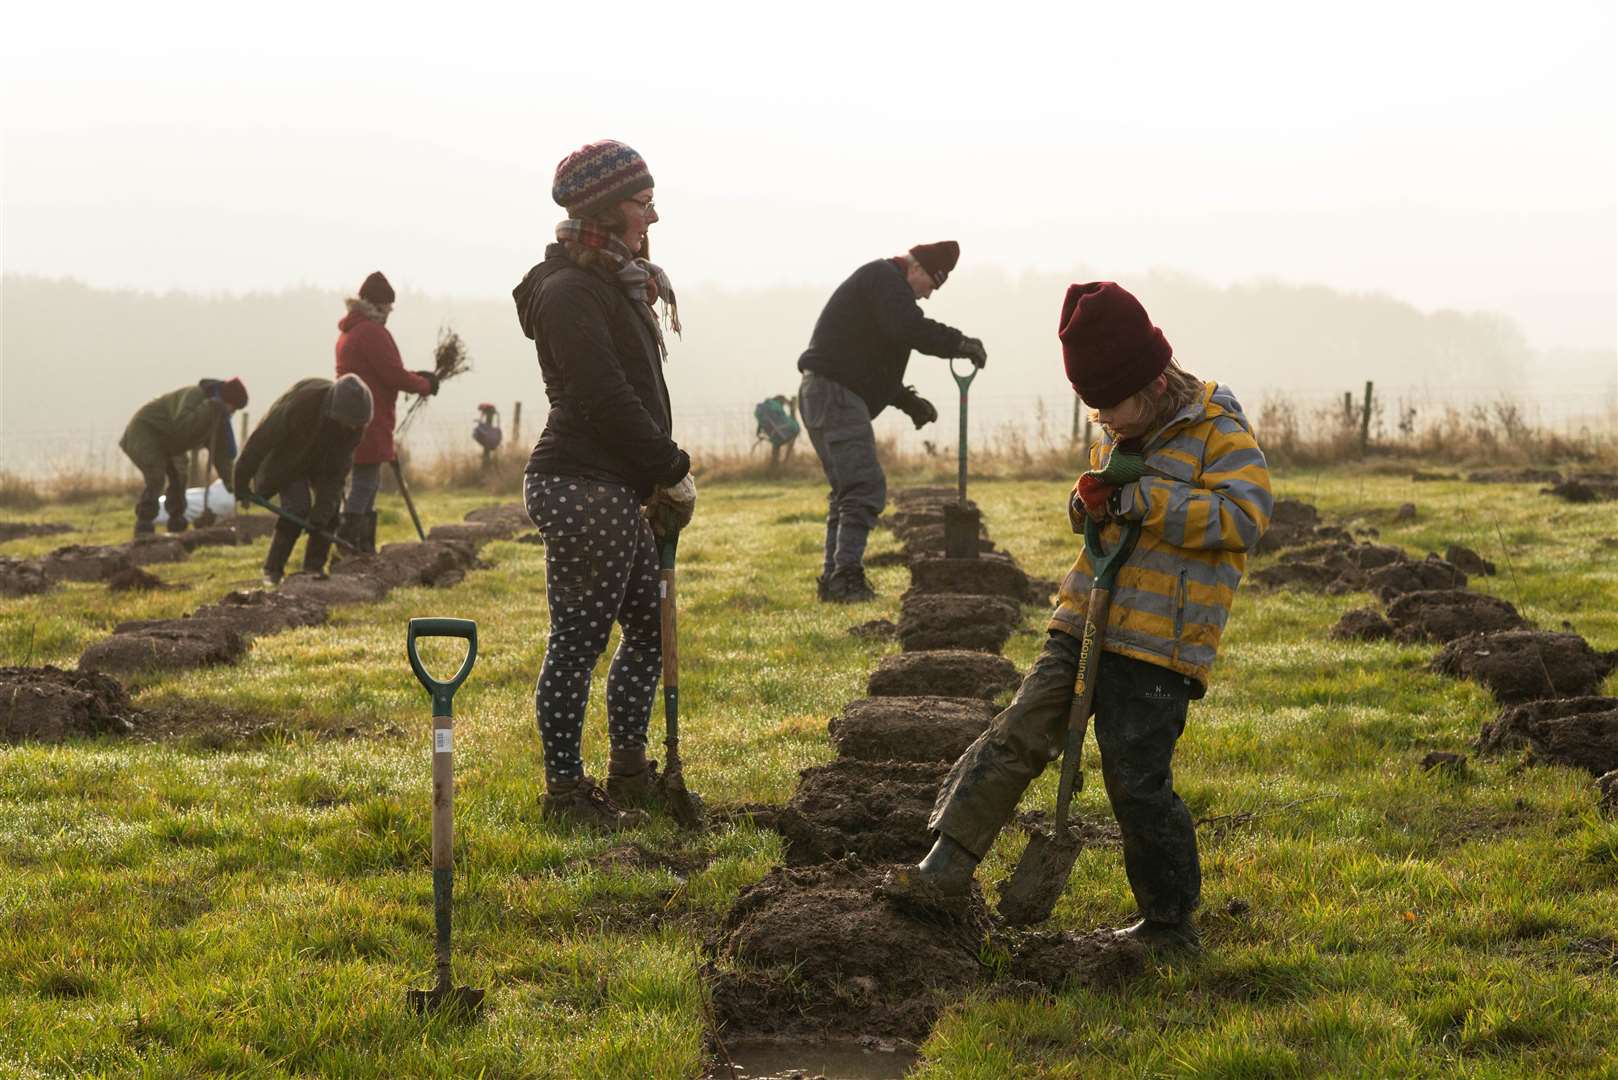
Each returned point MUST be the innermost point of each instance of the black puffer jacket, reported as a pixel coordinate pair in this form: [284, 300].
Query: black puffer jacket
[609, 406]
[299, 440]
[865, 333]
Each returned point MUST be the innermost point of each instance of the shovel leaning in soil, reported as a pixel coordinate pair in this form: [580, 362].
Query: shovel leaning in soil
[445, 995]
[961, 525]
[410, 504]
[258, 500]
[1030, 895]
[685, 805]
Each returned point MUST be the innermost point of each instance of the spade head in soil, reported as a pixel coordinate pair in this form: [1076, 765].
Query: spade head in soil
[1030, 894]
[460, 1001]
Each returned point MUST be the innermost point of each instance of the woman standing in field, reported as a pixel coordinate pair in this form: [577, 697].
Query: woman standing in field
[1180, 461]
[606, 450]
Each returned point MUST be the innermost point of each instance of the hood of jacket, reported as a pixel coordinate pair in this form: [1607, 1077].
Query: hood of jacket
[528, 288]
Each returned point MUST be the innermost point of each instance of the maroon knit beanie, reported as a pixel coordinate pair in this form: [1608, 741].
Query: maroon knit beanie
[937, 259]
[1109, 345]
[233, 392]
[598, 176]
[376, 289]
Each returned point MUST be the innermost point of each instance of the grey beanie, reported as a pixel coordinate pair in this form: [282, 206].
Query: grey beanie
[349, 402]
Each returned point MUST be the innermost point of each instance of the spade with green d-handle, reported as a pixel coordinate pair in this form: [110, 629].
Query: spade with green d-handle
[961, 523]
[682, 803]
[445, 996]
[1030, 895]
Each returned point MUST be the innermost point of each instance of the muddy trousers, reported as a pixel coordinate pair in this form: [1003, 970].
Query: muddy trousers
[295, 500]
[600, 568]
[839, 426]
[1140, 712]
[160, 477]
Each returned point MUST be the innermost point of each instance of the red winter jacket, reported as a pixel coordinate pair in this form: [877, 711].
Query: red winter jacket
[366, 349]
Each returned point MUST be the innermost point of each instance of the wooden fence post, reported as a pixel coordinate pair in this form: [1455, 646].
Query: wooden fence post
[1078, 412]
[516, 424]
[1365, 420]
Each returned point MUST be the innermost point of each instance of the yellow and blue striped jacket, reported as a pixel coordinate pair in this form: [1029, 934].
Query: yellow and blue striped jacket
[1204, 503]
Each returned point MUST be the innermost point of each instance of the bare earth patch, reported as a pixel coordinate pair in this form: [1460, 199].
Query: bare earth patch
[47, 704]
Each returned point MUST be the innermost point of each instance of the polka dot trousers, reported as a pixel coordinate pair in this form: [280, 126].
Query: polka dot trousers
[600, 568]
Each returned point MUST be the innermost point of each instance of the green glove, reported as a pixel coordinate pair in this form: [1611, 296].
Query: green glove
[1122, 468]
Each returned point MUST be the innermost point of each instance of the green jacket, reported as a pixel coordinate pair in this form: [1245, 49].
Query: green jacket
[299, 440]
[177, 423]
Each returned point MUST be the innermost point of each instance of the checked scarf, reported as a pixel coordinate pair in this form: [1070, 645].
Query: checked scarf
[640, 279]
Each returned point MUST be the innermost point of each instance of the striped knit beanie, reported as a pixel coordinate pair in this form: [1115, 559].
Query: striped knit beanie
[597, 176]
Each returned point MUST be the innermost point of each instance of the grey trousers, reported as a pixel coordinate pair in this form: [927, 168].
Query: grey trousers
[840, 430]
[363, 484]
[1140, 712]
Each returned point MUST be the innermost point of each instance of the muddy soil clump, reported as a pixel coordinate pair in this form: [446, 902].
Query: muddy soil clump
[1332, 566]
[469, 532]
[1580, 732]
[945, 673]
[998, 577]
[1362, 624]
[1293, 524]
[1468, 561]
[944, 621]
[134, 579]
[1526, 665]
[23, 577]
[335, 590]
[84, 562]
[874, 810]
[1584, 489]
[509, 518]
[1431, 573]
[928, 543]
[1058, 960]
[1514, 475]
[874, 630]
[816, 949]
[934, 729]
[435, 563]
[47, 704]
[166, 645]
[1443, 615]
[15, 530]
[259, 612]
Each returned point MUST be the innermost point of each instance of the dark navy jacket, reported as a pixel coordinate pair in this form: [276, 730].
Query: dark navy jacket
[609, 405]
[865, 333]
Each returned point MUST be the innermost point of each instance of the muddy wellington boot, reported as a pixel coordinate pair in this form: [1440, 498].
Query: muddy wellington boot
[585, 802]
[943, 878]
[632, 778]
[1179, 936]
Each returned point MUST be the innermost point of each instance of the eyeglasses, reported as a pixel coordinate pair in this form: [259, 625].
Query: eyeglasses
[648, 206]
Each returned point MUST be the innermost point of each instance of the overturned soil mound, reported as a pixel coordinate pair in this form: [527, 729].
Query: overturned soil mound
[997, 576]
[469, 532]
[22, 577]
[875, 810]
[1432, 572]
[909, 728]
[874, 630]
[258, 612]
[166, 645]
[1059, 960]
[13, 530]
[1580, 732]
[81, 562]
[1526, 665]
[335, 590]
[816, 949]
[508, 518]
[1442, 615]
[927, 542]
[434, 563]
[1362, 624]
[234, 532]
[133, 579]
[1585, 489]
[944, 621]
[1468, 561]
[1292, 524]
[1332, 566]
[944, 673]
[47, 704]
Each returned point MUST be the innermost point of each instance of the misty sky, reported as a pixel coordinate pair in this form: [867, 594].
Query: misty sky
[1451, 154]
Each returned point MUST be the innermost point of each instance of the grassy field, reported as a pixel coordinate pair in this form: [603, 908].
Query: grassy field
[257, 905]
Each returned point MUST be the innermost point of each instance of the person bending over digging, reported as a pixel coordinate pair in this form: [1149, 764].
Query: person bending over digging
[366, 348]
[1177, 457]
[305, 444]
[606, 450]
[165, 430]
[854, 368]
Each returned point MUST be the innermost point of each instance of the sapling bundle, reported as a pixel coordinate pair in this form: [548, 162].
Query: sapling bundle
[449, 360]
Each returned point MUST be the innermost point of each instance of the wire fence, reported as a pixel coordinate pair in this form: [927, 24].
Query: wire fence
[1017, 423]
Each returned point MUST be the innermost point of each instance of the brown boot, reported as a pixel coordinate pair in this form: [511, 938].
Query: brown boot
[584, 802]
[632, 778]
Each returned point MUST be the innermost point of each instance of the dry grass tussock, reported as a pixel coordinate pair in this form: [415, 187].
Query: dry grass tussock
[64, 486]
